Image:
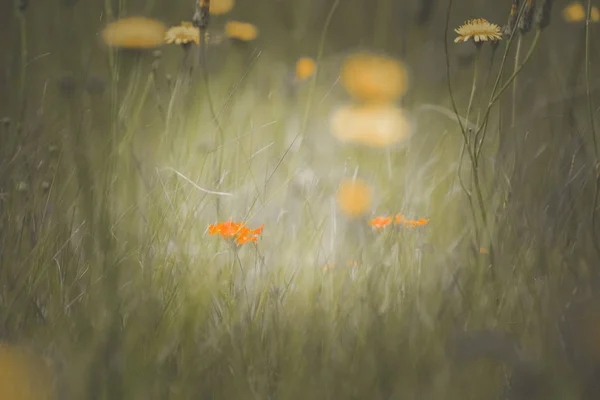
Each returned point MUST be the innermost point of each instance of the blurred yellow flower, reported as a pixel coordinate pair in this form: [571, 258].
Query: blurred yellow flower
[24, 376]
[479, 29]
[218, 7]
[373, 78]
[305, 68]
[576, 12]
[135, 33]
[354, 197]
[182, 34]
[241, 31]
[374, 125]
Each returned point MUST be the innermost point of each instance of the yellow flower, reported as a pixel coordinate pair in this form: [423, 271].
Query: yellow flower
[375, 125]
[479, 29]
[305, 68]
[218, 7]
[134, 33]
[182, 34]
[354, 197]
[241, 31]
[373, 78]
[575, 12]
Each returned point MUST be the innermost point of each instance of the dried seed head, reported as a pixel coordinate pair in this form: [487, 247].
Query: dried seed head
[542, 15]
[512, 17]
[527, 17]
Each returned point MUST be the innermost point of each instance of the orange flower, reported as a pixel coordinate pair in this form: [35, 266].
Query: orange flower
[236, 230]
[380, 222]
[400, 219]
[483, 250]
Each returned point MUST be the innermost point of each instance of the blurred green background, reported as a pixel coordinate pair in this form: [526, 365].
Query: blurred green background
[110, 284]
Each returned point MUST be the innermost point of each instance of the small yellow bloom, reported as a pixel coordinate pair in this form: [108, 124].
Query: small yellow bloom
[354, 197]
[479, 29]
[182, 34]
[305, 68]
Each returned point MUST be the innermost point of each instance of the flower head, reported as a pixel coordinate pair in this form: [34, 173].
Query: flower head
[305, 68]
[576, 12]
[410, 223]
[241, 31]
[375, 125]
[354, 197]
[135, 33]
[237, 231]
[380, 222]
[219, 7]
[374, 78]
[479, 29]
[182, 34]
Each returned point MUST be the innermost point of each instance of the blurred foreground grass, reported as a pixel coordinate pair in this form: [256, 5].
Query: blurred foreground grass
[108, 274]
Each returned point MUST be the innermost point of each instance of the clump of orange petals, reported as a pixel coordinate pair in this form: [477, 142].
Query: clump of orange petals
[237, 231]
[399, 219]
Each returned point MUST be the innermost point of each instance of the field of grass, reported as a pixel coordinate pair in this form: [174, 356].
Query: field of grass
[113, 164]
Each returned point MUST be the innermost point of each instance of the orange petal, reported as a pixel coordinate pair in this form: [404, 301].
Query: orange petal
[258, 230]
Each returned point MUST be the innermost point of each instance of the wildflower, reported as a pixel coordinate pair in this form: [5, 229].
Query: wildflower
[480, 30]
[409, 223]
[183, 34]
[305, 68]
[375, 125]
[241, 31]
[483, 250]
[575, 12]
[354, 197]
[236, 231]
[135, 33]
[373, 78]
[380, 222]
[218, 7]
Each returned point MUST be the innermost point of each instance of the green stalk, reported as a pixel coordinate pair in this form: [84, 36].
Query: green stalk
[514, 88]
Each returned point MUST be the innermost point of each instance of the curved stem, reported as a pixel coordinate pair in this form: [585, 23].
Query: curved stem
[495, 98]
[474, 85]
[514, 88]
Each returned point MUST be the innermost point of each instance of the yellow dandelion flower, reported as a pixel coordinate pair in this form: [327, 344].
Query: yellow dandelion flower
[479, 29]
[183, 34]
[373, 78]
[354, 197]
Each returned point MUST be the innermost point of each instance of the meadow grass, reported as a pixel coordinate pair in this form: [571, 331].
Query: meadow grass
[109, 185]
